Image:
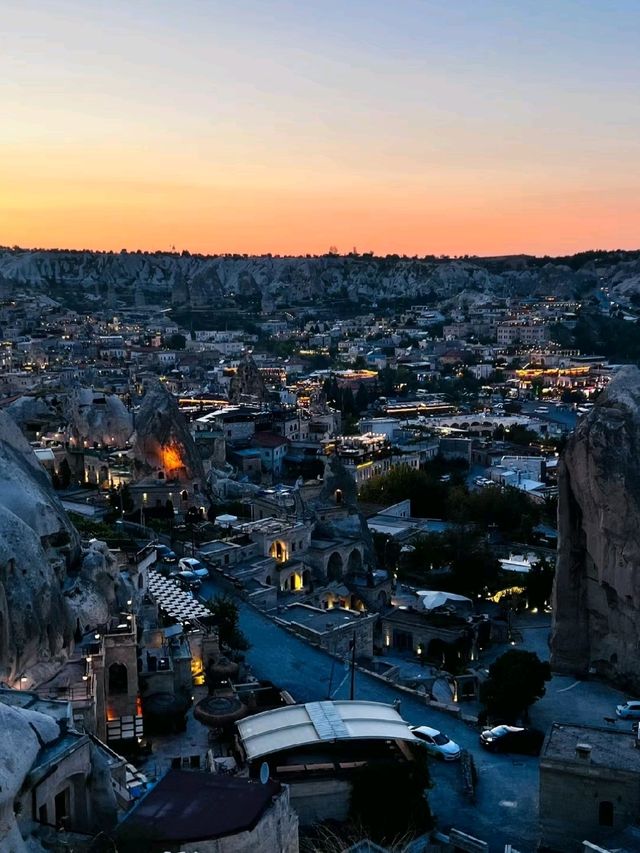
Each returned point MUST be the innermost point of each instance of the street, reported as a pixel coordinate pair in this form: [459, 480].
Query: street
[507, 795]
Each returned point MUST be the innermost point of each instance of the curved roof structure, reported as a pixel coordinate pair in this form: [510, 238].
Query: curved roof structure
[316, 722]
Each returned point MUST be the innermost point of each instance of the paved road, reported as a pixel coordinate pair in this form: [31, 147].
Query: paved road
[507, 803]
[506, 808]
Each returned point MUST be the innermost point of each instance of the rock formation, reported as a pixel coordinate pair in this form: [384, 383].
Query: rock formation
[339, 492]
[597, 589]
[162, 438]
[38, 544]
[247, 385]
[94, 416]
[24, 732]
[47, 582]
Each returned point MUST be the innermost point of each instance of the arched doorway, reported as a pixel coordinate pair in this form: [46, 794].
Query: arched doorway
[278, 551]
[118, 678]
[335, 566]
[354, 563]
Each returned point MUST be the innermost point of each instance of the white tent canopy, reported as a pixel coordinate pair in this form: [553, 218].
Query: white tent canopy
[431, 599]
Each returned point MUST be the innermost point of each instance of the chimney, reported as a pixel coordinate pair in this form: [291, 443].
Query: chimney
[583, 751]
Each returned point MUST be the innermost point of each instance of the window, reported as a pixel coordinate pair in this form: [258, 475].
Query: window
[605, 813]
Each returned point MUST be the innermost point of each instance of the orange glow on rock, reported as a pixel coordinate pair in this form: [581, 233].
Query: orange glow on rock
[171, 457]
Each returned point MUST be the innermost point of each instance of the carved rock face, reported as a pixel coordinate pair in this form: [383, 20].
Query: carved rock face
[247, 383]
[597, 589]
[96, 417]
[163, 440]
[38, 544]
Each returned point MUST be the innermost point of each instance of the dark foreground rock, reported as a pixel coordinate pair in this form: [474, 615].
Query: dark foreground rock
[597, 591]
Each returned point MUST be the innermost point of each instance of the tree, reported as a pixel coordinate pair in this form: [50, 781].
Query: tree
[362, 398]
[516, 680]
[388, 800]
[176, 341]
[225, 611]
[539, 583]
[64, 474]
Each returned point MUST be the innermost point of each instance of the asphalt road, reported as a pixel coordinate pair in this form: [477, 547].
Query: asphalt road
[506, 808]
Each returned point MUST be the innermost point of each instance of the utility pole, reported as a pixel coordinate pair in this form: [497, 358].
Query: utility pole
[352, 695]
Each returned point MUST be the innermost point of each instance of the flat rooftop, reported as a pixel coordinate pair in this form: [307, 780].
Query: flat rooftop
[270, 526]
[192, 806]
[320, 620]
[610, 747]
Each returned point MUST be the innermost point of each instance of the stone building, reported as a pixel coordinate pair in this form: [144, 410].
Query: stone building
[318, 748]
[431, 635]
[334, 629]
[199, 812]
[589, 784]
[53, 779]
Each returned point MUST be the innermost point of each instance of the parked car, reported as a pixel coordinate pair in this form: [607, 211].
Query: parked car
[165, 554]
[188, 580]
[629, 711]
[437, 743]
[190, 564]
[512, 739]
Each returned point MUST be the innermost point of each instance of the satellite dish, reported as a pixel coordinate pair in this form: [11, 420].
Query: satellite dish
[264, 773]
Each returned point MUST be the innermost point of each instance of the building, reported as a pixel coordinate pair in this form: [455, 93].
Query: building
[589, 784]
[198, 812]
[273, 449]
[55, 780]
[525, 333]
[333, 629]
[316, 748]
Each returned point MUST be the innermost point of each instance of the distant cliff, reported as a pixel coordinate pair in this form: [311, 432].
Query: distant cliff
[597, 590]
[208, 281]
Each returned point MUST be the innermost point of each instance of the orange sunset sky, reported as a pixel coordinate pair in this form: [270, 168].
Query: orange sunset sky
[412, 127]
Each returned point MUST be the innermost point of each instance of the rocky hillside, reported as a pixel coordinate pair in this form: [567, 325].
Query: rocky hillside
[49, 584]
[201, 281]
[597, 589]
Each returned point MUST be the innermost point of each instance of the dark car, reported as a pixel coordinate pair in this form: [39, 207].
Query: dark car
[166, 555]
[187, 580]
[512, 739]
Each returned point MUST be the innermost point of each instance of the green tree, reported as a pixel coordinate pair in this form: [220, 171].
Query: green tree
[538, 583]
[176, 341]
[225, 611]
[64, 474]
[389, 800]
[362, 398]
[516, 680]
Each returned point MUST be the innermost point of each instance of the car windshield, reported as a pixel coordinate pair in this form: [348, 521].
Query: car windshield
[440, 739]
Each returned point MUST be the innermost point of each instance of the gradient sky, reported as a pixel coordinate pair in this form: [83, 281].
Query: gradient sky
[409, 126]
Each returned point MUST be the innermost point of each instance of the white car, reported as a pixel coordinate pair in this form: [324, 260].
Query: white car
[629, 711]
[190, 564]
[437, 743]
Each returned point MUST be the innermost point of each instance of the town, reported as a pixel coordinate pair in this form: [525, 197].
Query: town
[278, 574]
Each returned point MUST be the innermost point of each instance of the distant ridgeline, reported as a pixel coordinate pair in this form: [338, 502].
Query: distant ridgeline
[269, 283]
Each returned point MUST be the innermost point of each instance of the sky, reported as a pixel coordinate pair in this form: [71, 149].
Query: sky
[393, 126]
